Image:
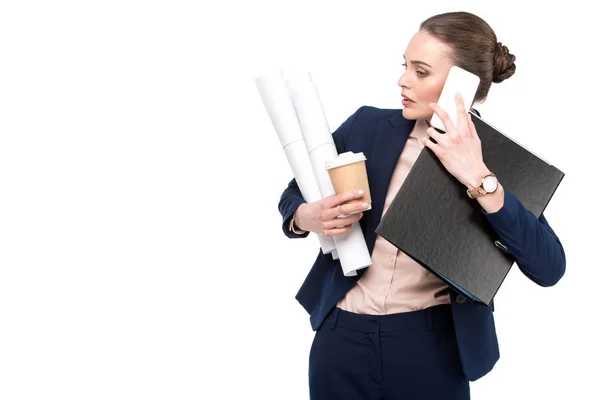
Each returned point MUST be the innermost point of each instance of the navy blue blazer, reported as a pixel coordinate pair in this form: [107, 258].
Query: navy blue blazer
[381, 134]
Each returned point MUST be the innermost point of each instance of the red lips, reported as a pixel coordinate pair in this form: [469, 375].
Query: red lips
[408, 98]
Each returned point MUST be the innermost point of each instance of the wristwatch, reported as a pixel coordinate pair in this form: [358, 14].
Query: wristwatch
[489, 184]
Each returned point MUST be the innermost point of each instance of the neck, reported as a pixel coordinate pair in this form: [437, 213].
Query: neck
[420, 128]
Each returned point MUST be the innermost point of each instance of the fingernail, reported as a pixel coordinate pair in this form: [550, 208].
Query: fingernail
[361, 192]
[365, 205]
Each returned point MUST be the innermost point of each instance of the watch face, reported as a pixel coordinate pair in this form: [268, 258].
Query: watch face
[490, 184]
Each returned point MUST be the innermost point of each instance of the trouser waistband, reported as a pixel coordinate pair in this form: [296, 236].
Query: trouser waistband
[430, 317]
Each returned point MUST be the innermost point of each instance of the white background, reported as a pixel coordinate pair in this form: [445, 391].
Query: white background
[141, 252]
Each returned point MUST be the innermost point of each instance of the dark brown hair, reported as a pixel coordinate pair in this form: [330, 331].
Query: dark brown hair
[475, 47]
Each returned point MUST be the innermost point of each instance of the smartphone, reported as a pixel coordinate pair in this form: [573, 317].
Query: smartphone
[458, 81]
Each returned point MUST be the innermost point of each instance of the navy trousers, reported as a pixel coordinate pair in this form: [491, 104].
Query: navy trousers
[411, 356]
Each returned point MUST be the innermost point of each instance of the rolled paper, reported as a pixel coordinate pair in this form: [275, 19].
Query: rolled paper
[351, 247]
[278, 103]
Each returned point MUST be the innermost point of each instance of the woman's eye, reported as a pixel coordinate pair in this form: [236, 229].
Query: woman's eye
[420, 74]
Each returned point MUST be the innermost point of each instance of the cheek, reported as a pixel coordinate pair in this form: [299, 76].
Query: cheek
[432, 90]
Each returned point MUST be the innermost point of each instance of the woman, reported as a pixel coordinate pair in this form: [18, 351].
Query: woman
[395, 330]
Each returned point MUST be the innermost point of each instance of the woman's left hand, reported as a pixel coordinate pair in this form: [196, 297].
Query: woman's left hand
[459, 149]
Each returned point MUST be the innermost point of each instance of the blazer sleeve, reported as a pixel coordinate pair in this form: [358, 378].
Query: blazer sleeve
[535, 247]
[291, 198]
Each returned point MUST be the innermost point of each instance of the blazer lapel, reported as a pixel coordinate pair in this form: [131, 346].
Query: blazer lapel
[389, 142]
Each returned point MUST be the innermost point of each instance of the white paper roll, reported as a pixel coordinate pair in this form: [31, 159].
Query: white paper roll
[351, 247]
[307, 182]
[276, 99]
[302, 169]
[319, 156]
[311, 115]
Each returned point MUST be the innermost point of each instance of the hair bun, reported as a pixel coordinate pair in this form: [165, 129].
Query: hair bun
[504, 63]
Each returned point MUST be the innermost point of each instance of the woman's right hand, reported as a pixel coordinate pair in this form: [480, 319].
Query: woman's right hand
[320, 216]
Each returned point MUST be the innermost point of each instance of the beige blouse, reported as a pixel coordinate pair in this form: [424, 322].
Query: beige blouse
[395, 283]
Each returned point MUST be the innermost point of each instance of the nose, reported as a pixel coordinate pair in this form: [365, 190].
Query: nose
[402, 81]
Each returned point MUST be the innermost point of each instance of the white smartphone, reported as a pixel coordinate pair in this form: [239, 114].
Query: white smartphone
[458, 81]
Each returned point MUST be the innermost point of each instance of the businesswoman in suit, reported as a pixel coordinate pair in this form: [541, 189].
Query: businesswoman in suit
[395, 331]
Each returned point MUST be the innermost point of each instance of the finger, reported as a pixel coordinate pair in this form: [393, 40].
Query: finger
[342, 222]
[336, 231]
[472, 128]
[437, 150]
[461, 113]
[436, 136]
[345, 197]
[343, 209]
[448, 124]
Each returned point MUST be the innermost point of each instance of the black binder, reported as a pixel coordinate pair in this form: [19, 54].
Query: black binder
[433, 221]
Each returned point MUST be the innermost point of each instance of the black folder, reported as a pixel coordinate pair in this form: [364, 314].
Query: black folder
[433, 221]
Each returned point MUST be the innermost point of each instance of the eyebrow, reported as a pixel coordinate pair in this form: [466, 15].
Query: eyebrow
[418, 62]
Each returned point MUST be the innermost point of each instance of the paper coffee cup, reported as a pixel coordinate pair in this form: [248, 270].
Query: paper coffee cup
[349, 172]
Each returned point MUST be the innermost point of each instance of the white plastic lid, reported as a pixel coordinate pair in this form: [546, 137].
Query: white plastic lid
[345, 159]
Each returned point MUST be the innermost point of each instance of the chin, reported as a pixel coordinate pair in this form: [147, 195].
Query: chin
[415, 113]
[409, 113]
